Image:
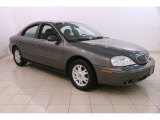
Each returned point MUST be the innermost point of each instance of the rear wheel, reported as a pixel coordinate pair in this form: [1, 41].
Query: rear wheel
[82, 75]
[19, 60]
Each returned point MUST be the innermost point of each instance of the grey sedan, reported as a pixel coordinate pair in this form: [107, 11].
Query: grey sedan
[82, 53]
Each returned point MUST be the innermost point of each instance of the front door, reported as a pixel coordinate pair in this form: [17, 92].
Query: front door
[49, 53]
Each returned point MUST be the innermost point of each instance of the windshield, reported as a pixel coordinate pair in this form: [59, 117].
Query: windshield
[77, 32]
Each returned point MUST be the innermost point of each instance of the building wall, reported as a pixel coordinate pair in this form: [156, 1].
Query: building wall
[139, 25]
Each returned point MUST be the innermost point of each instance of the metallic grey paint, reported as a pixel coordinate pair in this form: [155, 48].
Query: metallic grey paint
[97, 52]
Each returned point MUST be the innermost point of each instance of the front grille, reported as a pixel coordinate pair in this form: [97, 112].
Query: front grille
[142, 59]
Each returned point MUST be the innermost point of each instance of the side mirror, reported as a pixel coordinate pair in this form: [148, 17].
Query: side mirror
[52, 38]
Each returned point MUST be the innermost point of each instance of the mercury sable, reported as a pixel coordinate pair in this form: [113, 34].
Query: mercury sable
[85, 55]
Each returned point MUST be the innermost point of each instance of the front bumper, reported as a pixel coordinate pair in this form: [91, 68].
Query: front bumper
[123, 76]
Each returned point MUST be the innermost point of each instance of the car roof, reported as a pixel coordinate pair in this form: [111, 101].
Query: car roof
[53, 22]
[40, 22]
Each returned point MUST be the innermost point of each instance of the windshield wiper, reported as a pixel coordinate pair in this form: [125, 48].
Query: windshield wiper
[98, 37]
[83, 39]
[79, 39]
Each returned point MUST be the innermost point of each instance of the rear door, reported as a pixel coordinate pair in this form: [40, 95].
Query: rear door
[27, 42]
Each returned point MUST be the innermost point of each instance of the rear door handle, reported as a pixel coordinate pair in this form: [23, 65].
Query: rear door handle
[39, 45]
[20, 41]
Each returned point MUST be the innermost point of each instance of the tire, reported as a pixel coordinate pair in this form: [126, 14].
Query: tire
[19, 60]
[82, 75]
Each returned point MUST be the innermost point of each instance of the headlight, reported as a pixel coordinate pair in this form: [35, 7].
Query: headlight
[121, 61]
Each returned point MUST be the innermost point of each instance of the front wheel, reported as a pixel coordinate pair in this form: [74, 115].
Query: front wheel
[82, 75]
[19, 60]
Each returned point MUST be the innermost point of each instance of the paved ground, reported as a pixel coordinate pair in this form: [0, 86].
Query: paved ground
[32, 89]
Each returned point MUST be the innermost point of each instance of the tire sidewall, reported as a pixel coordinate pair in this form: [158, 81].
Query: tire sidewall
[22, 62]
[91, 81]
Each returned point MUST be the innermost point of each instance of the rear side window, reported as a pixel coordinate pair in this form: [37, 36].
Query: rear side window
[31, 31]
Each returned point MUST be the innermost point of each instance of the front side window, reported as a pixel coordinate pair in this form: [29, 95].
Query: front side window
[31, 31]
[47, 31]
[77, 32]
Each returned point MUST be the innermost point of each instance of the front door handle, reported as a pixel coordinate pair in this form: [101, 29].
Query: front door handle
[39, 45]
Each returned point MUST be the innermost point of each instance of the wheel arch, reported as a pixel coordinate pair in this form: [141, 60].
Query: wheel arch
[77, 57]
[14, 46]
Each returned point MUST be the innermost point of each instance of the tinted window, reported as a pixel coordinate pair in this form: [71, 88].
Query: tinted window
[31, 32]
[63, 29]
[47, 31]
[77, 32]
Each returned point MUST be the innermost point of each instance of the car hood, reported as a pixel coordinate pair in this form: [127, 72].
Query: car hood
[112, 47]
